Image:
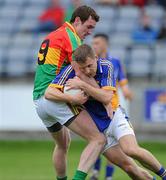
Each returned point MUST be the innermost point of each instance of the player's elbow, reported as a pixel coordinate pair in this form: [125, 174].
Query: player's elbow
[47, 94]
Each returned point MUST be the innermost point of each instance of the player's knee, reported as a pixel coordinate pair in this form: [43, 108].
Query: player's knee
[68, 141]
[67, 144]
[100, 139]
[126, 165]
[64, 146]
[130, 151]
[129, 169]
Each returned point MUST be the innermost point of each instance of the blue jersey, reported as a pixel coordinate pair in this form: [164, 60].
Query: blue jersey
[105, 79]
[119, 76]
[118, 70]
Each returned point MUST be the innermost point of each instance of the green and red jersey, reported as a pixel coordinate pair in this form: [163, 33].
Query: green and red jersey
[54, 54]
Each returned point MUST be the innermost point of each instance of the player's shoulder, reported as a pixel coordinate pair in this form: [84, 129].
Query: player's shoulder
[65, 73]
[67, 69]
[104, 66]
[58, 34]
[105, 62]
[114, 59]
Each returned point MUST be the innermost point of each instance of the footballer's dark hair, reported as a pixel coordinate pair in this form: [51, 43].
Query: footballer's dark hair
[84, 12]
[102, 35]
[81, 54]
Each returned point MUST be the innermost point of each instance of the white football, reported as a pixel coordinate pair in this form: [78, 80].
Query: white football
[66, 90]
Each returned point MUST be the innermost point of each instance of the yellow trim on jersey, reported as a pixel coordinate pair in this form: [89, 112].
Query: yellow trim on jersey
[123, 82]
[56, 86]
[114, 102]
[109, 88]
[72, 28]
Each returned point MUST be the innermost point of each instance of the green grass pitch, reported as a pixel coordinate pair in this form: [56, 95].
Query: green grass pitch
[31, 160]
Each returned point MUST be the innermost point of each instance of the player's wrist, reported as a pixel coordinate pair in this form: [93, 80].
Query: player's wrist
[83, 85]
[69, 99]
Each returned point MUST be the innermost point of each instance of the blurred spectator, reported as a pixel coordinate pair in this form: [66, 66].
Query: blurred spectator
[139, 3]
[73, 5]
[107, 2]
[51, 18]
[145, 33]
[162, 31]
[162, 3]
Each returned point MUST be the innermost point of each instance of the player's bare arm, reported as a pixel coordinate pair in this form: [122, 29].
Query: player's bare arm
[55, 94]
[88, 80]
[99, 94]
[127, 92]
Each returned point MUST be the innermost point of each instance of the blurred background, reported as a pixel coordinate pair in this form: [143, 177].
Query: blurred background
[137, 32]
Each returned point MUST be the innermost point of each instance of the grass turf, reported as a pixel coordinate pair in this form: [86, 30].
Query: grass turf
[31, 160]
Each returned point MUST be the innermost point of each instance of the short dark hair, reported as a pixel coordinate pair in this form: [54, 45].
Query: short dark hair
[81, 54]
[84, 12]
[102, 35]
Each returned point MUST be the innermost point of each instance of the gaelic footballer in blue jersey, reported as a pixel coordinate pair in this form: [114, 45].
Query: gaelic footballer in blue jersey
[105, 80]
[120, 131]
[101, 107]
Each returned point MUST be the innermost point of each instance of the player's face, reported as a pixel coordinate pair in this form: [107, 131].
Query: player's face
[86, 28]
[89, 68]
[99, 45]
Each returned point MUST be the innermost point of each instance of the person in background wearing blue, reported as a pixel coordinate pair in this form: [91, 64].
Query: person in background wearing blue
[144, 33]
[162, 3]
[162, 31]
[100, 44]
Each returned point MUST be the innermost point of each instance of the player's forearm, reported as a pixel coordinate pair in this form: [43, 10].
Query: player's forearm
[90, 81]
[127, 92]
[104, 96]
[55, 94]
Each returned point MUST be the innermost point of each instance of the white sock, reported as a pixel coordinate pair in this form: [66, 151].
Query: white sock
[108, 178]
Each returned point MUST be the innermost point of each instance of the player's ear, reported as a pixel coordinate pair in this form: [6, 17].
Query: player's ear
[77, 21]
[96, 57]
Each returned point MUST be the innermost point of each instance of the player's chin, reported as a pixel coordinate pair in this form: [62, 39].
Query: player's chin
[89, 75]
[92, 75]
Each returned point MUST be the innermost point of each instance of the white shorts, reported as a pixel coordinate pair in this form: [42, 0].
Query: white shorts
[52, 112]
[119, 127]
